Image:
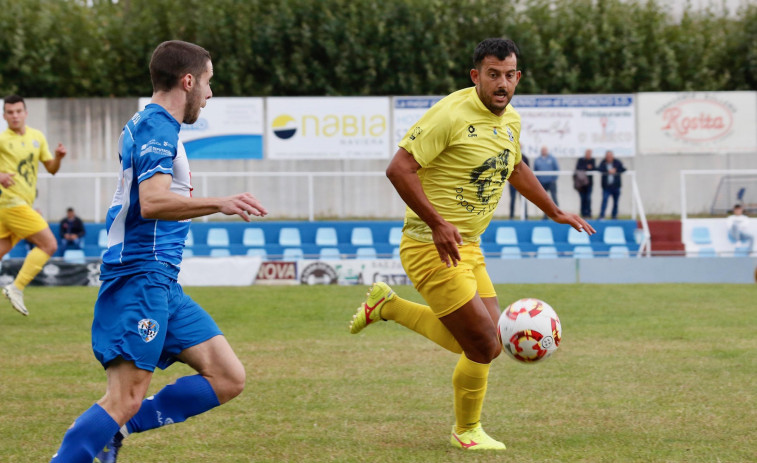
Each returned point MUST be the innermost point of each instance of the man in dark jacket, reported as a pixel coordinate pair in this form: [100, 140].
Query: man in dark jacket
[584, 182]
[611, 169]
[71, 231]
[514, 194]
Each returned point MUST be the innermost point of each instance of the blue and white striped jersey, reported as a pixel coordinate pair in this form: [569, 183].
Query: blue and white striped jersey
[149, 144]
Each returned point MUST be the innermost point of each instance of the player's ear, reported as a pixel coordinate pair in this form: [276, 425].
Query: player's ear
[474, 75]
[187, 82]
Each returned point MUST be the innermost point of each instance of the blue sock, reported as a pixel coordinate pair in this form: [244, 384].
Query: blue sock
[87, 436]
[187, 397]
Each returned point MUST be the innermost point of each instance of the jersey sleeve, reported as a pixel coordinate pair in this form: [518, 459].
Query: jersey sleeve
[516, 136]
[44, 149]
[156, 147]
[429, 136]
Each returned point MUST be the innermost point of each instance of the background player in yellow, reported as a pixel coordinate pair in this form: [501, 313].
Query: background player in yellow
[450, 170]
[22, 148]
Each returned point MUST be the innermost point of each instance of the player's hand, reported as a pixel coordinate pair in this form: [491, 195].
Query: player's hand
[6, 180]
[244, 205]
[447, 239]
[575, 221]
[60, 151]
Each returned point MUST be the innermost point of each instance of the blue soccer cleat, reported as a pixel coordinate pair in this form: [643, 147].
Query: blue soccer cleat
[109, 453]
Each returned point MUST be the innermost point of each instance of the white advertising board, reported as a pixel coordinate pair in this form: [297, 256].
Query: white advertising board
[407, 111]
[352, 272]
[219, 271]
[327, 128]
[568, 125]
[697, 122]
[228, 128]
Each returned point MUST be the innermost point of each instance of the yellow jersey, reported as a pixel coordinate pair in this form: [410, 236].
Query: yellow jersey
[21, 155]
[466, 154]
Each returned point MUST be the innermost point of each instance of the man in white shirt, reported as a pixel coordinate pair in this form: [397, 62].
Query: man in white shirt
[738, 228]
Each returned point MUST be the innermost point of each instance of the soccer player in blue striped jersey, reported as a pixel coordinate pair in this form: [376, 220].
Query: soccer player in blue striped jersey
[142, 317]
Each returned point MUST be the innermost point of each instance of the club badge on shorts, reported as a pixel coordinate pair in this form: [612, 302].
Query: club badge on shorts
[148, 329]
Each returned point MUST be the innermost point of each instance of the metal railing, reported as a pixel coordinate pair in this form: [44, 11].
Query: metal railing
[201, 179]
[637, 208]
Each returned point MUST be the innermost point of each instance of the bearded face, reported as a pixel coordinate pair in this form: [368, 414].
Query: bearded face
[195, 102]
[198, 95]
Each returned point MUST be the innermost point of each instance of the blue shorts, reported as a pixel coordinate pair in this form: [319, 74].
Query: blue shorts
[146, 318]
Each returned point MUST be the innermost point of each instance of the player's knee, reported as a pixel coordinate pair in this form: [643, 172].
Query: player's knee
[231, 385]
[49, 247]
[485, 350]
[236, 382]
[131, 407]
[121, 410]
[493, 349]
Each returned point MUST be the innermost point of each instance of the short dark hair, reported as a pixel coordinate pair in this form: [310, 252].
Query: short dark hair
[13, 99]
[173, 59]
[501, 48]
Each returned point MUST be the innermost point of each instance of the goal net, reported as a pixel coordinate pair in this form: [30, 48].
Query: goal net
[735, 189]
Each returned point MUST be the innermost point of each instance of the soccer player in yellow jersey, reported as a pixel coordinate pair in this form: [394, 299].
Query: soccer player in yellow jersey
[21, 149]
[450, 170]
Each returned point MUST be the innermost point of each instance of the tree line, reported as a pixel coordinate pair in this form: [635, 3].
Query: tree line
[96, 48]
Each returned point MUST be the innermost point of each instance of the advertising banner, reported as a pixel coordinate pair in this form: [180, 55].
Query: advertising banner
[277, 273]
[407, 111]
[219, 271]
[327, 128]
[228, 128]
[352, 272]
[55, 273]
[697, 122]
[568, 125]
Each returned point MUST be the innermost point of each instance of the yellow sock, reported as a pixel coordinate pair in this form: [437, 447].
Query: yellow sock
[469, 383]
[422, 320]
[35, 260]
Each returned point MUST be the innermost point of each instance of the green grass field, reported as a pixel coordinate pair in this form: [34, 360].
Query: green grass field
[645, 373]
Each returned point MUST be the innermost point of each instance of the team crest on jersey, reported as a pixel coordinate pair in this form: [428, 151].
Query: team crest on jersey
[510, 134]
[148, 329]
[35, 143]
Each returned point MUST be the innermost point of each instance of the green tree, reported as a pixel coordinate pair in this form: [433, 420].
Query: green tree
[81, 48]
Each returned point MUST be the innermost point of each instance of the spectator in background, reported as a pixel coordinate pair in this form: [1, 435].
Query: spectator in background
[611, 169]
[738, 227]
[547, 162]
[514, 194]
[584, 183]
[71, 231]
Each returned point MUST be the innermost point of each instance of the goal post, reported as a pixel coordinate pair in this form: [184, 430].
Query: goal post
[717, 191]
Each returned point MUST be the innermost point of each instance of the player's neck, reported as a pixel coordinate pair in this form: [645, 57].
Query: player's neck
[20, 131]
[174, 102]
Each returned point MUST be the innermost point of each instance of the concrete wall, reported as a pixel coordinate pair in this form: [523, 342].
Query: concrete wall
[90, 129]
[631, 270]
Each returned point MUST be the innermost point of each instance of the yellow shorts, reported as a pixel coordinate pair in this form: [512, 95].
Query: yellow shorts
[19, 222]
[445, 289]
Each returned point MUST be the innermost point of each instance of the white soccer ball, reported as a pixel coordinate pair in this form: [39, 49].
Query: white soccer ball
[529, 330]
